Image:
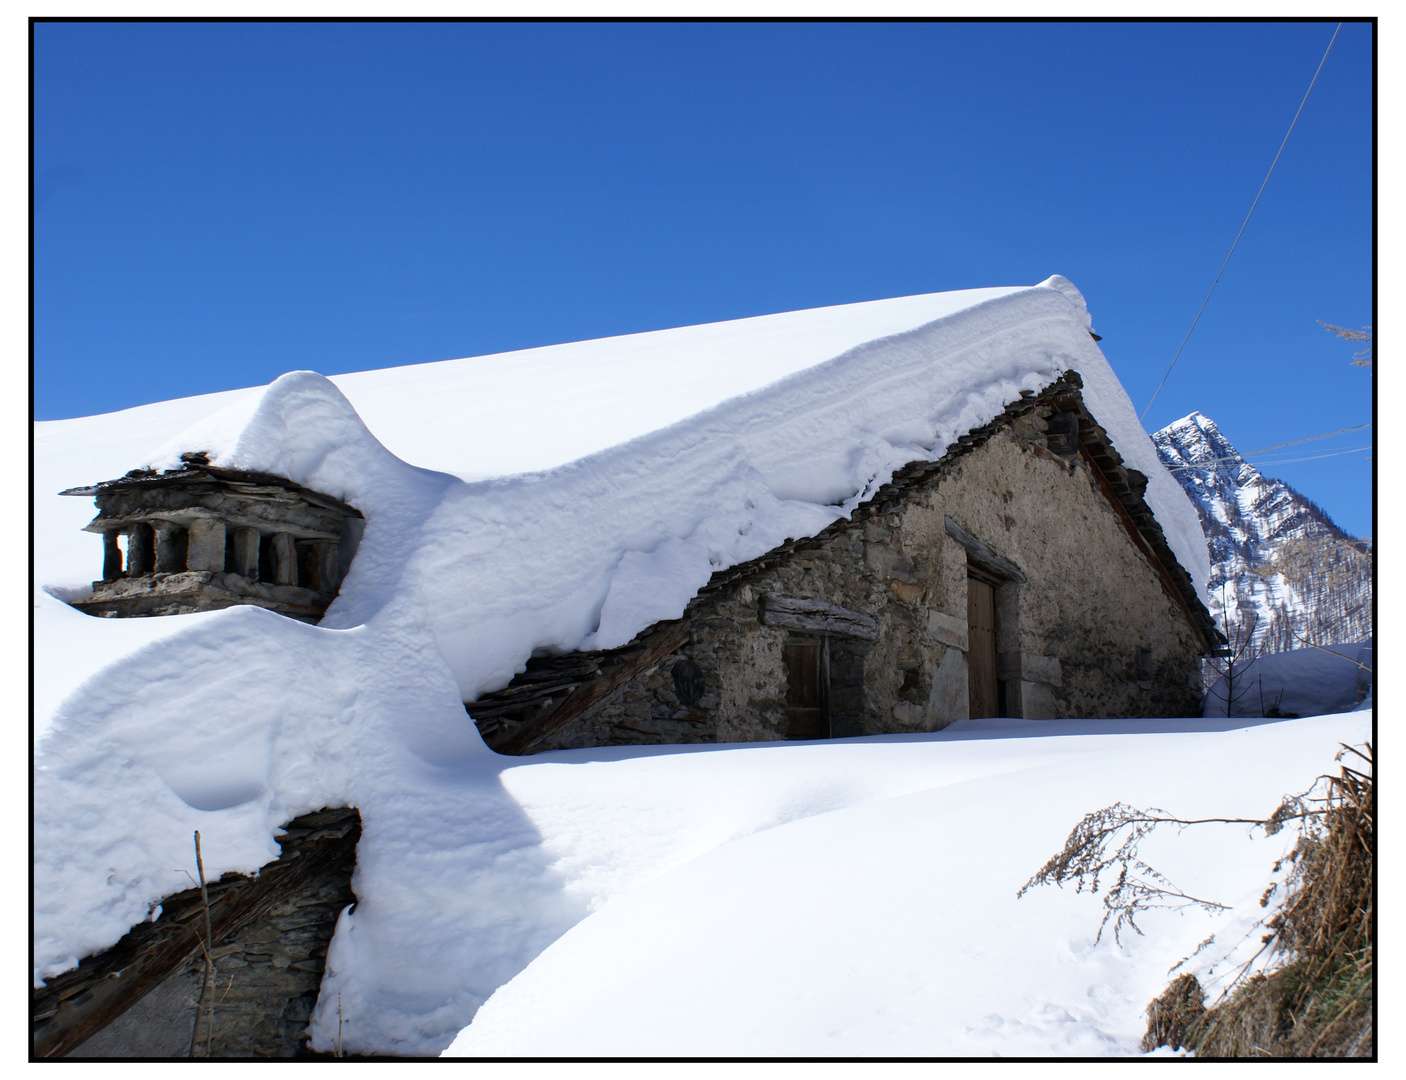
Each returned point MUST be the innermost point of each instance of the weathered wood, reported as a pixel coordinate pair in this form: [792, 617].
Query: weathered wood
[807, 690]
[982, 554]
[817, 617]
[654, 646]
[982, 697]
[72, 1007]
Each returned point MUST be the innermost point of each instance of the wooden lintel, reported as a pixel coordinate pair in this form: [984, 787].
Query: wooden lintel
[654, 646]
[816, 616]
[981, 554]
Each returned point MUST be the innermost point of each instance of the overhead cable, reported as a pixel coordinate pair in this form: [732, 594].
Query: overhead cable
[1309, 438]
[1283, 461]
[1246, 221]
[1273, 446]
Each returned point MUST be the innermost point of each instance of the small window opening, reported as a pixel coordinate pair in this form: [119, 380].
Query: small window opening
[266, 562]
[307, 564]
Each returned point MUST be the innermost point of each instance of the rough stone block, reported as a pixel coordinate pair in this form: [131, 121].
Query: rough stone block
[912, 595]
[908, 714]
[1030, 667]
[889, 563]
[206, 547]
[948, 630]
[246, 553]
[948, 699]
[1034, 701]
[141, 554]
[285, 559]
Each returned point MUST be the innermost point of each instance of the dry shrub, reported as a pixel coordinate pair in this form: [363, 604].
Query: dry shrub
[1318, 1001]
[1169, 1017]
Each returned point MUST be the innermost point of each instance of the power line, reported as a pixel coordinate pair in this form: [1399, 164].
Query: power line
[1246, 221]
[1273, 446]
[1308, 438]
[1316, 457]
[1282, 461]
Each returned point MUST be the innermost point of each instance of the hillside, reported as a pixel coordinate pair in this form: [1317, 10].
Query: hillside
[1255, 523]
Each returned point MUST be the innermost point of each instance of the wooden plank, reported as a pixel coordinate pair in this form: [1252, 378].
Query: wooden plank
[805, 690]
[981, 651]
[654, 646]
[817, 617]
[72, 1007]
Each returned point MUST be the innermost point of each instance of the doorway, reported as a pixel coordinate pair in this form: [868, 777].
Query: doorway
[807, 688]
[983, 686]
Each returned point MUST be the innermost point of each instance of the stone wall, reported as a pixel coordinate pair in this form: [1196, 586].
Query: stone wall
[1090, 631]
[267, 972]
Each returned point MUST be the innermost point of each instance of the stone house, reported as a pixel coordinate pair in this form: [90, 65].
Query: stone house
[1021, 574]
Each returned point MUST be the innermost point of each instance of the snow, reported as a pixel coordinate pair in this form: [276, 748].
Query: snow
[859, 898]
[1302, 682]
[556, 498]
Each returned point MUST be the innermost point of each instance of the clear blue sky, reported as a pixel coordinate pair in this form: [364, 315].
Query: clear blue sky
[217, 203]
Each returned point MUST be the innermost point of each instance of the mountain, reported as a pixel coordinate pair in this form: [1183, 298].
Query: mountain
[1323, 590]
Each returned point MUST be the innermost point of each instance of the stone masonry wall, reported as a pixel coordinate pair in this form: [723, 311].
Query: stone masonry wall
[266, 984]
[1091, 632]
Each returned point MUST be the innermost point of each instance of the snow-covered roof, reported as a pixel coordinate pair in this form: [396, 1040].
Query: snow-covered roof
[564, 497]
[588, 490]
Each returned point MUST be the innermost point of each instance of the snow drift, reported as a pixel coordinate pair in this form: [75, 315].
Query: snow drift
[1300, 682]
[587, 491]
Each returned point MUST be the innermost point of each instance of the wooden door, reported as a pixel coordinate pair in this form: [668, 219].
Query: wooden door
[981, 648]
[807, 715]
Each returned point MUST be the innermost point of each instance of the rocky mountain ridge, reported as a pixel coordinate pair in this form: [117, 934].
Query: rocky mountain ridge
[1280, 567]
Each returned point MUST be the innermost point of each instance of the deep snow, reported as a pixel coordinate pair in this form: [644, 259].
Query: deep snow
[1300, 682]
[661, 458]
[859, 898]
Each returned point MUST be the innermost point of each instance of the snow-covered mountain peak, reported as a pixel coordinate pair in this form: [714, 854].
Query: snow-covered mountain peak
[1250, 522]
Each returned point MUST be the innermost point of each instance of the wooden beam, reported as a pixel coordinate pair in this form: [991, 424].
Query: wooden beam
[981, 554]
[816, 616]
[663, 639]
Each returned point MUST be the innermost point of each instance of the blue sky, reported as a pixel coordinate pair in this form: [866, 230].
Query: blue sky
[217, 203]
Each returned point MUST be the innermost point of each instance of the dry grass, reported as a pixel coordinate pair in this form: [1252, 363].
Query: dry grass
[1317, 1003]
